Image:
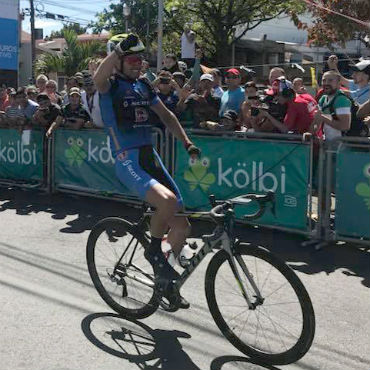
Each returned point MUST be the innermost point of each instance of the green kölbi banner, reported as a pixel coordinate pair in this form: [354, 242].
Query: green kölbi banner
[232, 167]
[352, 207]
[21, 159]
[83, 161]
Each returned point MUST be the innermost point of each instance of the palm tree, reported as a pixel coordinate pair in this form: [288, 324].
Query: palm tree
[74, 58]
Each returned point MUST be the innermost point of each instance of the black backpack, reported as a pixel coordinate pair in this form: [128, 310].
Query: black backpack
[358, 127]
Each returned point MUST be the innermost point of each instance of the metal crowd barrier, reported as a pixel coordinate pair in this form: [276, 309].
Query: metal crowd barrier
[346, 215]
[241, 141]
[23, 158]
[88, 153]
[69, 161]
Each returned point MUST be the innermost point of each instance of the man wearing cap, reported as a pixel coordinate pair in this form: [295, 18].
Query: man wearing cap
[74, 113]
[299, 114]
[71, 82]
[233, 98]
[90, 101]
[204, 105]
[359, 87]
[47, 113]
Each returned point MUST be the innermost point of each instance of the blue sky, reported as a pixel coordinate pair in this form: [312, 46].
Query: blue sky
[80, 10]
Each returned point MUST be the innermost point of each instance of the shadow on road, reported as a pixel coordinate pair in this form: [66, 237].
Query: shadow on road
[138, 343]
[88, 211]
[237, 362]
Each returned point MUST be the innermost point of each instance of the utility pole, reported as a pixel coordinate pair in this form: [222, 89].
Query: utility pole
[160, 35]
[33, 46]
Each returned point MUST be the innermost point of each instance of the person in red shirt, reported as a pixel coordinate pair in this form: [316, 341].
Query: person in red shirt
[300, 110]
[4, 98]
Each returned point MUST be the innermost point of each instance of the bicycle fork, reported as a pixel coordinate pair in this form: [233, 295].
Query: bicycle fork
[226, 243]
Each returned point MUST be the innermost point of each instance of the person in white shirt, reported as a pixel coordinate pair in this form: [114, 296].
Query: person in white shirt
[188, 46]
[90, 101]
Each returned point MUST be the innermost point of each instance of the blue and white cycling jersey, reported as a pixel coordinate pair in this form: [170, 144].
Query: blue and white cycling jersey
[125, 108]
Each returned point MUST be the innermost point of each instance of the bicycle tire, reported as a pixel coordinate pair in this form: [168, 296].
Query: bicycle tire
[303, 343]
[118, 228]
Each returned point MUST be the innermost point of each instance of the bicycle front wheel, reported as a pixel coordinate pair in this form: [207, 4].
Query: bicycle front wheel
[280, 327]
[117, 266]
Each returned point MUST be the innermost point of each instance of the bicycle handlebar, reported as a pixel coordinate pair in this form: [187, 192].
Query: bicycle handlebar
[218, 213]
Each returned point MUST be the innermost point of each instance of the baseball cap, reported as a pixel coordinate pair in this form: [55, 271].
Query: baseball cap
[362, 66]
[206, 76]
[233, 71]
[74, 90]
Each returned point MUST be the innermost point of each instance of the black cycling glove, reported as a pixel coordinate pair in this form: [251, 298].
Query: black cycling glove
[193, 150]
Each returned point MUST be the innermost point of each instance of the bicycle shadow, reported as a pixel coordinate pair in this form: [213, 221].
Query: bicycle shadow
[239, 363]
[138, 343]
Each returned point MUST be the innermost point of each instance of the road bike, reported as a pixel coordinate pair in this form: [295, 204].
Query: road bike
[256, 300]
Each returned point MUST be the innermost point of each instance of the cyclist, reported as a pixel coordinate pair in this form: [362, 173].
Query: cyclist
[125, 100]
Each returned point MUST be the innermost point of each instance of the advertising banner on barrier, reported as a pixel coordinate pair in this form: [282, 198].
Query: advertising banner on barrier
[83, 159]
[229, 168]
[19, 161]
[352, 207]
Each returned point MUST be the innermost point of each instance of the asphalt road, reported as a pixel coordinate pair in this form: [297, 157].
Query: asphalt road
[52, 318]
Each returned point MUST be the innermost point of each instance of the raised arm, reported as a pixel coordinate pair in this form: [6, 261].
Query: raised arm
[104, 71]
[333, 65]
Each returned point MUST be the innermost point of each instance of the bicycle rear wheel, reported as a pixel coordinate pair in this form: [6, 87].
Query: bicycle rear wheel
[118, 269]
[280, 329]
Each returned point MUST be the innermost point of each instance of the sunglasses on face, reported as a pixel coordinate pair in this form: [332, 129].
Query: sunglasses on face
[232, 77]
[49, 87]
[134, 59]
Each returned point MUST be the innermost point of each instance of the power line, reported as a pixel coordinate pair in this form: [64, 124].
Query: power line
[68, 7]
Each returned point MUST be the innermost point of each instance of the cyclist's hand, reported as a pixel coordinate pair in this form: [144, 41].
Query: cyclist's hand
[193, 150]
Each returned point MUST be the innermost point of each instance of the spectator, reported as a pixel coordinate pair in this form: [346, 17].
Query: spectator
[146, 71]
[74, 113]
[359, 87]
[168, 91]
[183, 66]
[251, 100]
[233, 98]
[27, 107]
[204, 105]
[12, 112]
[91, 102]
[47, 113]
[80, 79]
[275, 73]
[4, 98]
[51, 91]
[31, 93]
[299, 114]
[71, 82]
[170, 63]
[333, 124]
[41, 83]
[188, 46]
[229, 122]
[298, 86]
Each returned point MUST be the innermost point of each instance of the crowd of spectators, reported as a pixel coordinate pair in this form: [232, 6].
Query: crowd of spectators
[202, 98]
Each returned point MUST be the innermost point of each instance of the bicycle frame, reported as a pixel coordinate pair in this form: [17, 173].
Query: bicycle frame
[222, 235]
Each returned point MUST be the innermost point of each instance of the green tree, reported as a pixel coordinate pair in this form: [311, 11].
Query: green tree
[217, 21]
[75, 57]
[68, 26]
[213, 20]
[329, 28]
[143, 19]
